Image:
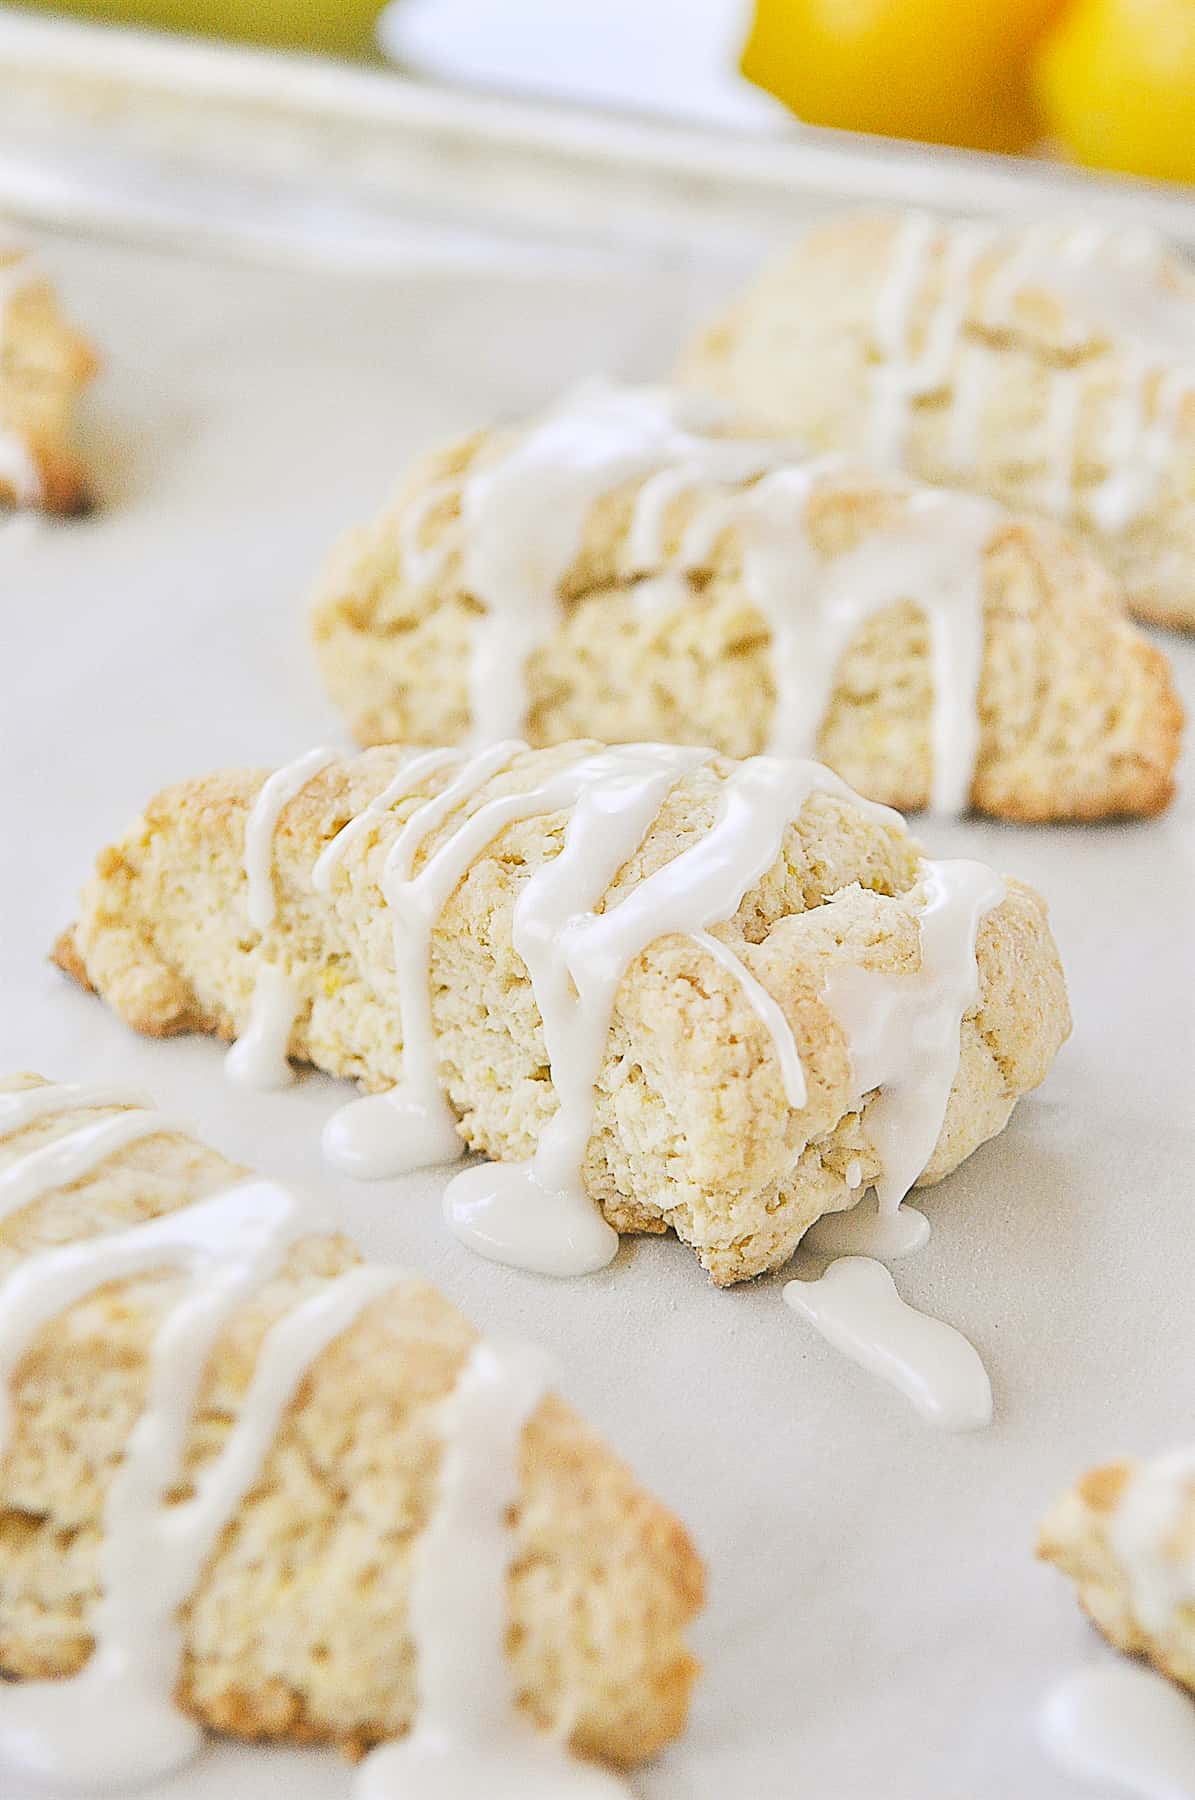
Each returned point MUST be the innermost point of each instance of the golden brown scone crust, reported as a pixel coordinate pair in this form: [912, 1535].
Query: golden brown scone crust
[1079, 718]
[298, 1628]
[692, 1128]
[798, 350]
[1076, 1536]
[44, 366]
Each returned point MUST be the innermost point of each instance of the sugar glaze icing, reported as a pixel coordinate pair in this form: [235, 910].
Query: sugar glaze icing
[903, 1031]
[521, 525]
[469, 1740]
[116, 1724]
[1109, 277]
[1124, 1727]
[856, 1308]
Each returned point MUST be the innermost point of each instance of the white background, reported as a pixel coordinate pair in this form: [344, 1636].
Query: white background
[877, 1628]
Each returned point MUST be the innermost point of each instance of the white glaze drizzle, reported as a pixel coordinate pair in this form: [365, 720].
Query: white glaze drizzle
[523, 517]
[468, 1740]
[1125, 1727]
[1151, 1509]
[813, 609]
[262, 822]
[115, 1723]
[22, 1106]
[412, 1125]
[68, 1159]
[258, 1058]
[902, 378]
[536, 1214]
[769, 1010]
[866, 1230]
[17, 466]
[903, 1030]
[856, 1308]
[1109, 279]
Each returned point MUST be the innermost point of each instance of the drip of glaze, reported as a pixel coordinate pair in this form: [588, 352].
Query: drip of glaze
[522, 525]
[258, 1058]
[863, 1230]
[18, 469]
[115, 1723]
[769, 1011]
[523, 517]
[261, 824]
[1150, 1513]
[24, 1105]
[70, 1158]
[900, 378]
[1110, 280]
[1125, 1727]
[903, 1030]
[813, 610]
[412, 1126]
[468, 1740]
[577, 957]
[856, 1308]
[412, 771]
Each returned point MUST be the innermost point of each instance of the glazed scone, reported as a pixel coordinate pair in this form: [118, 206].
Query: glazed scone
[627, 567]
[1125, 1534]
[44, 366]
[1050, 366]
[298, 1628]
[815, 904]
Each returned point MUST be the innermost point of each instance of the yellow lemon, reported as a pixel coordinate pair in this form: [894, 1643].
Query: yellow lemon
[1117, 85]
[944, 71]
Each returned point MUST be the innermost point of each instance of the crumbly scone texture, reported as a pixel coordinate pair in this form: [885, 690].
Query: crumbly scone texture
[44, 366]
[799, 351]
[692, 1129]
[1076, 1536]
[1078, 715]
[298, 1629]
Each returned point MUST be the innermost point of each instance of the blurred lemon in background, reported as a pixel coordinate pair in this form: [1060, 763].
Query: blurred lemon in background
[1117, 85]
[944, 71]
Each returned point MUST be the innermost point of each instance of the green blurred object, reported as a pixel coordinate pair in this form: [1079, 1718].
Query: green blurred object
[339, 27]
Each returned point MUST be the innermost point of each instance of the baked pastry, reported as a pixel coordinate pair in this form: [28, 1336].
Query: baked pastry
[688, 992]
[627, 567]
[1126, 1536]
[1049, 366]
[44, 366]
[251, 1477]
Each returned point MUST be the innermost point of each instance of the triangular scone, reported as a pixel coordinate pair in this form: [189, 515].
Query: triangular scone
[299, 1626]
[832, 919]
[625, 567]
[1126, 1536]
[1051, 367]
[44, 366]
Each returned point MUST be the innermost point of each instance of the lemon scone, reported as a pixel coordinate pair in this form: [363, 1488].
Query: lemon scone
[254, 1483]
[1125, 1534]
[663, 988]
[44, 366]
[1050, 366]
[628, 567]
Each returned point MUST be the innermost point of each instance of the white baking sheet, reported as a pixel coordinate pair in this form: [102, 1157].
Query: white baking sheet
[877, 1629]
